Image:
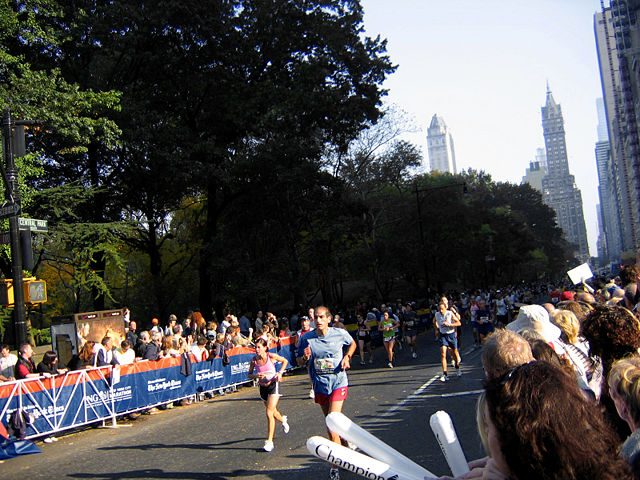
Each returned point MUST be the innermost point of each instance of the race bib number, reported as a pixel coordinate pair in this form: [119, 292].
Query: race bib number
[484, 319]
[325, 366]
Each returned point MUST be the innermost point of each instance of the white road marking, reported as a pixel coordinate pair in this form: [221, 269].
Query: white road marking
[415, 394]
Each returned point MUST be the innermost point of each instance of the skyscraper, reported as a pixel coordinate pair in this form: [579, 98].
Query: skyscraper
[442, 156]
[559, 189]
[609, 236]
[618, 42]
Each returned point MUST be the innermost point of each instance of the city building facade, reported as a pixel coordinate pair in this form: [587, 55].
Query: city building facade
[617, 34]
[442, 155]
[559, 190]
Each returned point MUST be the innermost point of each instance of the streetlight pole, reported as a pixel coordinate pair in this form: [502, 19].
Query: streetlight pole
[12, 196]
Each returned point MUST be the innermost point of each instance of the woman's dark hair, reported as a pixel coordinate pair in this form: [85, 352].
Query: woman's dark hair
[548, 430]
[544, 352]
[613, 333]
[86, 353]
[262, 342]
[49, 357]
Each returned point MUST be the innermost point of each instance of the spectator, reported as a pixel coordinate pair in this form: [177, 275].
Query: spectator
[168, 349]
[613, 333]
[624, 388]
[245, 325]
[84, 359]
[104, 355]
[285, 331]
[153, 351]
[179, 342]
[132, 334]
[25, 368]
[504, 350]
[125, 354]
[237, 338]
[197, 323]
[49, 364]
[259, 320]
[143, 341]
[173, 320]
[536, 318]
[155, 326]
[226, 323]
[198, 350]
[539, 425]
[8, 361]
[588, 371]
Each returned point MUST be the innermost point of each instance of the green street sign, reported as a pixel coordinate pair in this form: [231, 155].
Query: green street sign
[33, 225]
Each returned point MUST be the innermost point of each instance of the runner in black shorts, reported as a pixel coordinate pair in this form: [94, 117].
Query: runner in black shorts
[263, 369]
[364, 338]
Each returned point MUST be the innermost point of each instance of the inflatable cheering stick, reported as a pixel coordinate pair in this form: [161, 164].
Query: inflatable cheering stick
[355, 462]
[341, 424]
[442, 427]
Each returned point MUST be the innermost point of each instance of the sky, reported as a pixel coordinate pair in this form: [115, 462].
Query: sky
[484, 66]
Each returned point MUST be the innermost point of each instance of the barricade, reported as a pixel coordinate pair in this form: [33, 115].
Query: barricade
[84, 397]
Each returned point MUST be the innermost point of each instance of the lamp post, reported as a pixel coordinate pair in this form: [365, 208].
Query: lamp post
[12, 196]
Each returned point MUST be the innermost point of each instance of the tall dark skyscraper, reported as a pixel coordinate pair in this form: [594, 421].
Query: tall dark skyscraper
[559, 189]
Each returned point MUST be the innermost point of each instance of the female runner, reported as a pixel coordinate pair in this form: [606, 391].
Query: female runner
[386, 326]
[263, 369]
[364, 338]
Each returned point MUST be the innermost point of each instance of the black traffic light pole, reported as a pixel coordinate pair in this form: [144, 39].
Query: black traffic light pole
[13, 197]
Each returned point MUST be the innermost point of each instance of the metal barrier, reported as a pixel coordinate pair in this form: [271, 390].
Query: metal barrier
[85, 397]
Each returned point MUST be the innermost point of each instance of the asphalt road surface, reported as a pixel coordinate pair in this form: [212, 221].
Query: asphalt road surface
[222, 438]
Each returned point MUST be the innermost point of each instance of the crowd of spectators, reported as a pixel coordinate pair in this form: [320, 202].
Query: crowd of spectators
[562, 389]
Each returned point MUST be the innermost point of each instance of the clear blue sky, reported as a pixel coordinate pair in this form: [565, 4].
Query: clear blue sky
[483, 66]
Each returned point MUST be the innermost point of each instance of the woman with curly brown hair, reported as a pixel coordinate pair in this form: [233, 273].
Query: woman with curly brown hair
[540, 426]
[613, 333]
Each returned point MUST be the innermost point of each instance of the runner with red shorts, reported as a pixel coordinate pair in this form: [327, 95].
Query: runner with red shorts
[321, 349]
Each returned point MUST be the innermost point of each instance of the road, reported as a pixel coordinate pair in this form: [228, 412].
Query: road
[222, 438]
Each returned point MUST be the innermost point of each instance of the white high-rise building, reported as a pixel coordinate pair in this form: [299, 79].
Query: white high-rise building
[442, 156]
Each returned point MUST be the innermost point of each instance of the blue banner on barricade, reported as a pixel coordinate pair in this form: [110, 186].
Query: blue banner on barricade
[86, 396]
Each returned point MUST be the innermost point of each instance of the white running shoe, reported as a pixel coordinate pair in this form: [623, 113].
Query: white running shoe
[390, 365]
[459, 372]
[312, 394]
[371, 360]
[453, 363]
[285, 424]
[444, 378]
[334, 474]
[415, 355]
[268, 446]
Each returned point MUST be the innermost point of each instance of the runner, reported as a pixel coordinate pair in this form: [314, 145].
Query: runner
[269, 382]
[484, 320]
[305, 328]
[386, 326]
[447, 324]
[364, 338]
[409, 327]
[321, 349]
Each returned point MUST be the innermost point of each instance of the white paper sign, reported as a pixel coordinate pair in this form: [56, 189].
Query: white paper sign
[580, 273]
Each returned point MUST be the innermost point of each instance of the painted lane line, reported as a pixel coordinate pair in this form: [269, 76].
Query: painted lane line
[415, 394]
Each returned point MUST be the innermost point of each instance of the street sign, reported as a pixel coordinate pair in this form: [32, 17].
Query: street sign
[9, 210]
[33, 225]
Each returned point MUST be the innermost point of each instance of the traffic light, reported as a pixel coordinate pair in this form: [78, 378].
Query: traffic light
[35, 291]
[6, 293]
